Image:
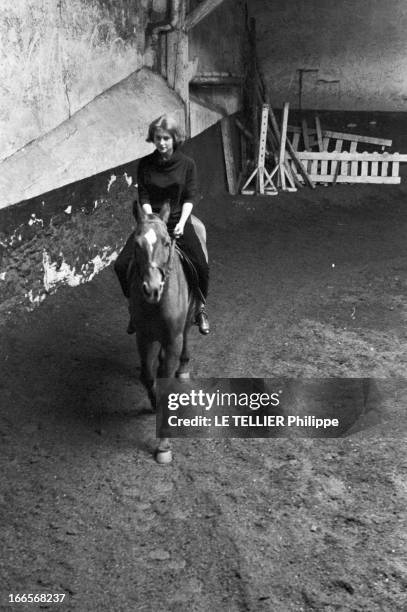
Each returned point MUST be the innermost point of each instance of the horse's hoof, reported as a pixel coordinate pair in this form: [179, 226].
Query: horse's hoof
[183, 376]
[163, 457]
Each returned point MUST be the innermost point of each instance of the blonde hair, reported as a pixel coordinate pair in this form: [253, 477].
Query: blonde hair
[170, 125]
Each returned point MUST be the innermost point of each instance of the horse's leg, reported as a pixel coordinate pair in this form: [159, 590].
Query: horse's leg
[168, 366]
[148, 354]
[183, 371]
[171, 356]
[160, 370]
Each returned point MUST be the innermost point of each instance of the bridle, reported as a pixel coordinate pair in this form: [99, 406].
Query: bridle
[165, 269]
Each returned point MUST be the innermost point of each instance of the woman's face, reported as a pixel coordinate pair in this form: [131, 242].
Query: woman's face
[164, 142]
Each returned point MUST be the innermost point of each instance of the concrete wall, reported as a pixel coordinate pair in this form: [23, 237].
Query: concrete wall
[358, 47]
[74, 101]
[68, 235]
[109, 131]
[57, 55]
[202, 116]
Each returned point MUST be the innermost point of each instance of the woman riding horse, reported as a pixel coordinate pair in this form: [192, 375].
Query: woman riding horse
[167, 175]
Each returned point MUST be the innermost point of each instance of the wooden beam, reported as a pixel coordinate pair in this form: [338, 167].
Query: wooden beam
[217, 73]
[181, 68]
[200, 12]
[251, 95]
[163, 54]
[357, 138]
[283, 140]
[347, 178]
[172, 46]
[242, 128]
[293, 153]
[342, 136]
[228, 154]
[249, 135]
[223, 81]
[283, 168]
[262, 146]
[305, 134]
[351, 157]
[319, 133]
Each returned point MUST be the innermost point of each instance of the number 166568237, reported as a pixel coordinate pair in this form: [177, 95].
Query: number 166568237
[36, 597]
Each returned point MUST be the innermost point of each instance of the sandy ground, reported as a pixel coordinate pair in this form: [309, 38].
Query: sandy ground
[312, 284]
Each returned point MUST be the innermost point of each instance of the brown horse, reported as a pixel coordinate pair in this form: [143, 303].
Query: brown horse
[162, 307]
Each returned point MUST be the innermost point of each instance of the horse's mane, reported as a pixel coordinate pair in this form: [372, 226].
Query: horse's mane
[150, 218]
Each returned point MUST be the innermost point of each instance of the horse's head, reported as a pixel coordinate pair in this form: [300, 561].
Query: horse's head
[152, 252]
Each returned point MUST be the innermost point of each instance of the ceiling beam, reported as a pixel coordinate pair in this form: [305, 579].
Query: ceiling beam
[200, 12]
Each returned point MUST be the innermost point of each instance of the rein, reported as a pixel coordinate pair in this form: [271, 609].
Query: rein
[168, 267]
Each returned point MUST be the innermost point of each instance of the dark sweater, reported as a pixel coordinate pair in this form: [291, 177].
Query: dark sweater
[173, 180]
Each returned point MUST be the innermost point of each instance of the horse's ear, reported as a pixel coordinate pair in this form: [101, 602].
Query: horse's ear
[138, 212]
[165, 211]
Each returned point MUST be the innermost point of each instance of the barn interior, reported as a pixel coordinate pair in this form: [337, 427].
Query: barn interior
[305, 284]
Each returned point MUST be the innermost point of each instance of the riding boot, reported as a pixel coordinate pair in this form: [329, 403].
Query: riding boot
[130, 328]
[202, 319]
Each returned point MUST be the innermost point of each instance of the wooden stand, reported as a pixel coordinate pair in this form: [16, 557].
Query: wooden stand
[264, 182]
[280, 169]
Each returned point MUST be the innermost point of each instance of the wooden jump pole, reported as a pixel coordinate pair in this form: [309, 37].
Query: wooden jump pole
[280, 168]
[264, 182]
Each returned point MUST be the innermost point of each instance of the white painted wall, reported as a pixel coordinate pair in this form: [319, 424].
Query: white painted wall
[109, 131]
[57, 55]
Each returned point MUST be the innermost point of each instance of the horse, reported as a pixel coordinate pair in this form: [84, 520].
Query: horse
[162, 307]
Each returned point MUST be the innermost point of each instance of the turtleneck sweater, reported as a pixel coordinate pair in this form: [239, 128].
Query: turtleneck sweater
[160, 180]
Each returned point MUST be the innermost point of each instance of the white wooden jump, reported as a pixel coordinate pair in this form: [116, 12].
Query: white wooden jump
[350, 167]
[327, 135]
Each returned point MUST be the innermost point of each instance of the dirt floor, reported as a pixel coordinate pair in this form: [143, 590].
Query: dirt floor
[312, 284]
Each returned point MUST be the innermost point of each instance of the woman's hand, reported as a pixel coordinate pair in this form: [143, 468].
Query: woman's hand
[186, 211]
[179, 229]
[147, 209]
